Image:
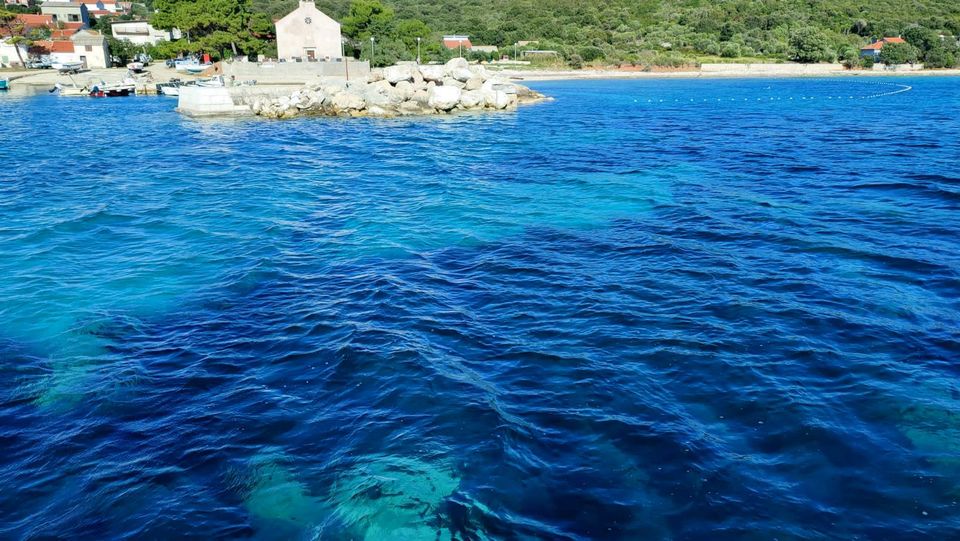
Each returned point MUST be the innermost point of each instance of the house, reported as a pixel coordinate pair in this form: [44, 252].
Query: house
[307, 33]
[873, 50]
[457, 42]
[142, 33]
[85, 46]
[24, 3]
[66, 11]
[91, 48]
[489, 49]
[8, 53]
[106, 8]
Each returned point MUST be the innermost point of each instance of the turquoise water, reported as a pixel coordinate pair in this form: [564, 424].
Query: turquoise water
[646, 310]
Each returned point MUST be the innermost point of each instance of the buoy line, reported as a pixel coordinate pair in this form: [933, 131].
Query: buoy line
[898, 89]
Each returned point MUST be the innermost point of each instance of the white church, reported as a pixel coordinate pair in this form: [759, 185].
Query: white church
[308, 34]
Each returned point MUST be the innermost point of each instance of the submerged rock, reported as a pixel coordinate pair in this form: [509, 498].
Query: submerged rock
[402, 90]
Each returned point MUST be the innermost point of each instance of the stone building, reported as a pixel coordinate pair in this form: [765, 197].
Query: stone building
[308, 34]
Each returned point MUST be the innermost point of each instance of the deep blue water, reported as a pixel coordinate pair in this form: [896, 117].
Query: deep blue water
[689, 310]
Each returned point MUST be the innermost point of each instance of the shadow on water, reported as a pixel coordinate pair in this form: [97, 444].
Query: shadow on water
[566, 337]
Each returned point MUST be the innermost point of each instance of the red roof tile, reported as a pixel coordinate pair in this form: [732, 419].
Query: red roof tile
[878, 45]
[54, 46]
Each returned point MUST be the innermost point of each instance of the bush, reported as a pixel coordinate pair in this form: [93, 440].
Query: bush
[809, 45]
[939, 58]
[850, 58]
[576, 61]
[867, 62]
[898, 53]
[730, 50]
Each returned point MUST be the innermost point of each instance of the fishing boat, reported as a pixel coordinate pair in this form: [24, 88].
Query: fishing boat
[114, 90]
[4, 84]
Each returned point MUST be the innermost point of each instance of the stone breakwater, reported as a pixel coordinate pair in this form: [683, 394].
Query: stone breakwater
[403, 90]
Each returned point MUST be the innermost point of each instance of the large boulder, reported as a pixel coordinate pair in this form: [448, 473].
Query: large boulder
[455, 64]
[472, 99]
[497, 99]
[474, 83]
[404, 90]
[444, 98]
[432, 73]
[346, 102]
[376, 74]
[450, 81]
[412, 108]
[395, 74]
[461, 74]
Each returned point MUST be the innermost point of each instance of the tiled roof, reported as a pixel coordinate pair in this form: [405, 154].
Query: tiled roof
[878, 45]
[54, 46]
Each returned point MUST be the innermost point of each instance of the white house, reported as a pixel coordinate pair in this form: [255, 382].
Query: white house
[100, 8]
[309, 34]
[91, 48]
[86, 46]
[8, 53]
[142, 33]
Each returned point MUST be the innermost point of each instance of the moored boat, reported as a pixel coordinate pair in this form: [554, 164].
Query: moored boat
[4, 84]
[68, 67]
[113, 90]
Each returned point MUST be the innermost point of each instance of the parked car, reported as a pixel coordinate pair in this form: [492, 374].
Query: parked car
[39, 65]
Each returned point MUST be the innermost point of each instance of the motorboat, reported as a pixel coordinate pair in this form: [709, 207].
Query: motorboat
[173, 86]
[67, 67]
[114, 90]
[4, 84]
[213, 82]
[196, 69]
[135, 67]
[71, 91]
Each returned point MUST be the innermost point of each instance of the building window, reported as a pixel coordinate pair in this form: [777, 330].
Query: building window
[74, 18]
[89, 48]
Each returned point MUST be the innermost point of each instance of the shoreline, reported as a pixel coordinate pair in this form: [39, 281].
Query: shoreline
[586, 75]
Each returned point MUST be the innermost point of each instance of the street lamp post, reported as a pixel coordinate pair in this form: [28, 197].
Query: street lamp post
[373, 50]
[418, 50]
[461, 47]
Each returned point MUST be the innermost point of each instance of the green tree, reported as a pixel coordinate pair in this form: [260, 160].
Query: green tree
[368, 18]
[217, 24]
[939, 58]
[898, 53]
[13, 27]
[809, 45]
[122, 50]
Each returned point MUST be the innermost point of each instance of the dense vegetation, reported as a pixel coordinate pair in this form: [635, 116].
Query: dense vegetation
[611, 31]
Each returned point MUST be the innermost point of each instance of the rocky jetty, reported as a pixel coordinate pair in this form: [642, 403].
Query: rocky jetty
[402, 90]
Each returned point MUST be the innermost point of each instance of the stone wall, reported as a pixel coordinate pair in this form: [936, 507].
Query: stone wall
[274, 73]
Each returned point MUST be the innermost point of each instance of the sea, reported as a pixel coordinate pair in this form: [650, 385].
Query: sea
[646, 310]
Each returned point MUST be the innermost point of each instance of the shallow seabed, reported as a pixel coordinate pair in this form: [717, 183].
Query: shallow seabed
[701, 310]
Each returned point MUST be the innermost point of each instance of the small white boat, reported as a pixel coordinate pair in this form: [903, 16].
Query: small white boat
[136, 67]
[68, 67]
[170, 90]
[213, 82]
[196, 68]
[73, 91]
